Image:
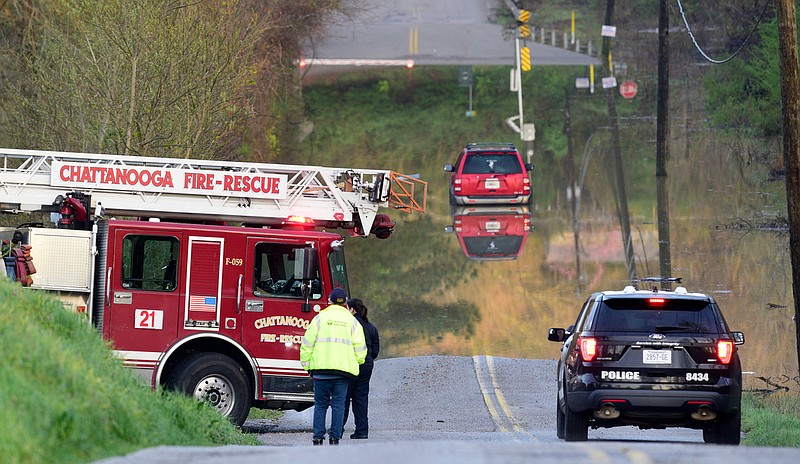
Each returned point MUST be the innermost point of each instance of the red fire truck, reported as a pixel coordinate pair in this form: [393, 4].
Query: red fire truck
[188, 301]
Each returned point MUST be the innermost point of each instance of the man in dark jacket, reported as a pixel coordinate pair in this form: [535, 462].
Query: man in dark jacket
[358, 390]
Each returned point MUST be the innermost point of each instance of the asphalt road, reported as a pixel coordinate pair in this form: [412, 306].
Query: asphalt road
[444, 409]
[443, 32]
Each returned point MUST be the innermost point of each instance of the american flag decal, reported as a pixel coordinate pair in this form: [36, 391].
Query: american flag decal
[203, 303]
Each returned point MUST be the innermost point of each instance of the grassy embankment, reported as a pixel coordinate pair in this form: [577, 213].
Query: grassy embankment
[771, 421]
[66, 399]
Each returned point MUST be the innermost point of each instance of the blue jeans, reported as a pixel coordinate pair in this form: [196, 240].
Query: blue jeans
[329, 392]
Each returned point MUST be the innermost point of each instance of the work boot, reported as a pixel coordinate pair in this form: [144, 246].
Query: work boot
[334, 441]
[358, 437]
[317, 441]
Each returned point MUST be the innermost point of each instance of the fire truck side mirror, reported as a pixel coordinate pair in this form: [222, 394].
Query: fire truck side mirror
[306, 264]
[306, 268]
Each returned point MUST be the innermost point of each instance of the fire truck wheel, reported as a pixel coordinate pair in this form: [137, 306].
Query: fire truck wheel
[217, 379]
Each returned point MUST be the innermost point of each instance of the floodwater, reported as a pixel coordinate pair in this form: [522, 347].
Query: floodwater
[728, 238]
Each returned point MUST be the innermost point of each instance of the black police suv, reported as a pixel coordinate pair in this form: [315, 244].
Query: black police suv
[652, 359]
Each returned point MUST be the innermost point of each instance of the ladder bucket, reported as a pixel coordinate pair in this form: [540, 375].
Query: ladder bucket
[409, 193]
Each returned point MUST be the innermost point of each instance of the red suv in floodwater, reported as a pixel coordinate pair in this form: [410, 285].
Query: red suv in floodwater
[489, 173]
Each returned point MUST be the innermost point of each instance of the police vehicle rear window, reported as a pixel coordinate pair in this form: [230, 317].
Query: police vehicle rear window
[662, 315]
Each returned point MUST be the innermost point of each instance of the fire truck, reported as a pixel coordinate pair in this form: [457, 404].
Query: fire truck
[203, 275]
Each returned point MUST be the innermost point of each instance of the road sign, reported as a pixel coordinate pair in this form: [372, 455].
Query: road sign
[525, 59]
[464, 76]
[628, 89]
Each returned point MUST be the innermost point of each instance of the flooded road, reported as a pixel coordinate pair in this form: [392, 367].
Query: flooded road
[728, 239]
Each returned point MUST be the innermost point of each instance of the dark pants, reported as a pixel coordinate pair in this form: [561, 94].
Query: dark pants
[358, 396]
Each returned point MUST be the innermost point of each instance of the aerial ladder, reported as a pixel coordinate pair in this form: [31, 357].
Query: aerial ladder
[79, 185]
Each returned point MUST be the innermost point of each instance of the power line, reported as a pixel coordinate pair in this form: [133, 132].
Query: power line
[683, 16]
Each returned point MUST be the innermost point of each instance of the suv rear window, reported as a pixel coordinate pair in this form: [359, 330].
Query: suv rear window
[494, 163]
[664, 316]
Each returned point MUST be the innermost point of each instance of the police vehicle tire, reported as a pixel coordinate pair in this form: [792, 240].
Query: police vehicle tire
[215, 378]
[559, 420]
[576, 425]
[726, 431]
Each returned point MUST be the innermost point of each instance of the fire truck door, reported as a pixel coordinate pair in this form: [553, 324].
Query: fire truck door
[144, 291]
[273, 318]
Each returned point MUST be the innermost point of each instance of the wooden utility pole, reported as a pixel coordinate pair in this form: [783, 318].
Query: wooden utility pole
[662, 144]
[622, 196]
[790, 99]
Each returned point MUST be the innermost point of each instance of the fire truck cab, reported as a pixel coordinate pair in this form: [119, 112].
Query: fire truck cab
[212, 310]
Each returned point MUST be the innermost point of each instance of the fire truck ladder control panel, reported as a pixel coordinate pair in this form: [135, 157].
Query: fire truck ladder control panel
[77, 185]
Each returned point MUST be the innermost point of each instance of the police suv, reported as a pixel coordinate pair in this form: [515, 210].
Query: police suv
[652, 359]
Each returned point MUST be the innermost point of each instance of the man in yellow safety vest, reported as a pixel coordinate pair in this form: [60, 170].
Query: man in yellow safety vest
[333, 347]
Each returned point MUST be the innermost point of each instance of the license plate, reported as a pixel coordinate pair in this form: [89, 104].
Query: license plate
[492, 226]
[657, 356]
[492, 183]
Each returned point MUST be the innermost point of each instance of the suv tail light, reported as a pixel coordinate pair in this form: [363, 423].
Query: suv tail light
[725, 351]
[526, 185]
[588, 347]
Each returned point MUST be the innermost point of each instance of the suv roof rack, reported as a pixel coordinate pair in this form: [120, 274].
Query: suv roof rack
[661, 279]
[491, 145]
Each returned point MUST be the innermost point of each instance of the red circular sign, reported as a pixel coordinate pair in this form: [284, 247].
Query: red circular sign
[628, 89]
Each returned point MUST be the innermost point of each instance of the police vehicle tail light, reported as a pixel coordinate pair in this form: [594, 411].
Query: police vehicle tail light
[655, 301]
[588, 347]
[725, 351]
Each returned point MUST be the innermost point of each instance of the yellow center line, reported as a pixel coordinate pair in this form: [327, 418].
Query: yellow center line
[500, 398]
[487, 398]
[413, 40]
[637, 457]
[595, 455]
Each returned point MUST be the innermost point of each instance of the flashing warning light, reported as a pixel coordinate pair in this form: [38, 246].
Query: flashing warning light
[302, 63]
[299, 221]
[588, 348]
[725, 351]
[410, 64]
[656, 301]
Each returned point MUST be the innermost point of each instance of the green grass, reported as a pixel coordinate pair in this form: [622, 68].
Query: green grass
[66, 399]
[773, 420]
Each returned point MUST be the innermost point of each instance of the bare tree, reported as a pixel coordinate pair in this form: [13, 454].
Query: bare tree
[135, 76]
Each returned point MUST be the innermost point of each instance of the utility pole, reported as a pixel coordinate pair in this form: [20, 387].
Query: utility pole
[522, 60]
[574, 189]
[790, 98]
[662, 144]
[622, 203]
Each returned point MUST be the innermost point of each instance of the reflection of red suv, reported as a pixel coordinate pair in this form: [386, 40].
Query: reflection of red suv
[489, 173]
[491, 232]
